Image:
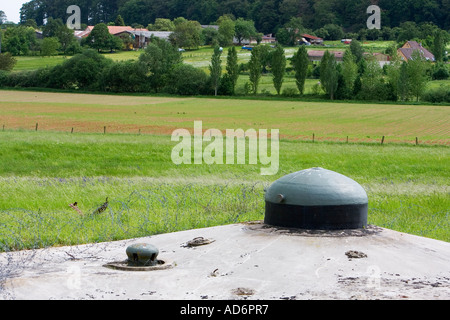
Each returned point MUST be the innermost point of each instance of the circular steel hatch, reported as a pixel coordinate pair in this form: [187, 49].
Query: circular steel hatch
[316, 198]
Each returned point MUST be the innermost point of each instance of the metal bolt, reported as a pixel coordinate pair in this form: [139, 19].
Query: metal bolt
[280, 198]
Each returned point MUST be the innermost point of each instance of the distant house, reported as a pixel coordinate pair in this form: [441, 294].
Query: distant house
[204, 26]
[141, 37]
[409, 47]
[80, 34]
[381, 58]
[268, 38]
[114, 30]
[39, 34]
[317, 55]
[312, 39]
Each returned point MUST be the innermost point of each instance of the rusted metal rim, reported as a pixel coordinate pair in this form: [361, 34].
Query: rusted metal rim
[124, 266]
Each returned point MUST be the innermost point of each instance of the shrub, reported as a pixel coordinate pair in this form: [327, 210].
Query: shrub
[290, 92]
[82, 71]
[17, 79]
[3, 78]
[7, 61]
[315, 74]
[125, 76]
[50, 46]
[379, 91]
[437, 95]
[317, 89]
[187, 80]
[440, 72]
[30, 79]
[226, 87]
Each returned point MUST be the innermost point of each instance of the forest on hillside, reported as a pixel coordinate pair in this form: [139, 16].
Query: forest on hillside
[268, 15]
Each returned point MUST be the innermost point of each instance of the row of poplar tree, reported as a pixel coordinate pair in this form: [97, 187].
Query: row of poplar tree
[359, 76]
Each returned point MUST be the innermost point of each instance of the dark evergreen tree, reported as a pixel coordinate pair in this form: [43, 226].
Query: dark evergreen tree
[300, 64]
[278, 66]
[232, 68]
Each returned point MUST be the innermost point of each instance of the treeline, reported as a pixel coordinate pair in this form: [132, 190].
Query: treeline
[160, 69]
[269, 15]
[57, 38]
[22, 39]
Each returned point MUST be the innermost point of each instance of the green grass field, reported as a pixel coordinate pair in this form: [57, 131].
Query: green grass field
[42, 172]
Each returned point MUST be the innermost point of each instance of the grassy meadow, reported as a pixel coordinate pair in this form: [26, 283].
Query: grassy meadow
[43, 171]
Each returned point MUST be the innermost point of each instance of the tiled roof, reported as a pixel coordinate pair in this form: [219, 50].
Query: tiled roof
[114, 30]
[320, 53]
[311, 37]
[410, 46]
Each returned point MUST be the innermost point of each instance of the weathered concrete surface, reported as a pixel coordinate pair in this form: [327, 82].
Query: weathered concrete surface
[245, 261]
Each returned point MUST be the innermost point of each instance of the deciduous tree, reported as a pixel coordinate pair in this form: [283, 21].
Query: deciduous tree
[7, 61]
[244, 29]
[158, 59]
[417, 74]
[99, 38]
[226, 31]
[187, 34]
[50, 46]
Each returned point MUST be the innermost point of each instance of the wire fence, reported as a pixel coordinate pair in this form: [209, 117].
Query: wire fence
[313, 137]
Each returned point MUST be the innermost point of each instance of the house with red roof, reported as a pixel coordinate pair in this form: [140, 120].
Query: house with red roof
[114, 30]
[312, 39]
[141, 37]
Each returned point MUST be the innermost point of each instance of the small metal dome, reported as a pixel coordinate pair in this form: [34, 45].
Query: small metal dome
[142, 254]
[316, 198]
